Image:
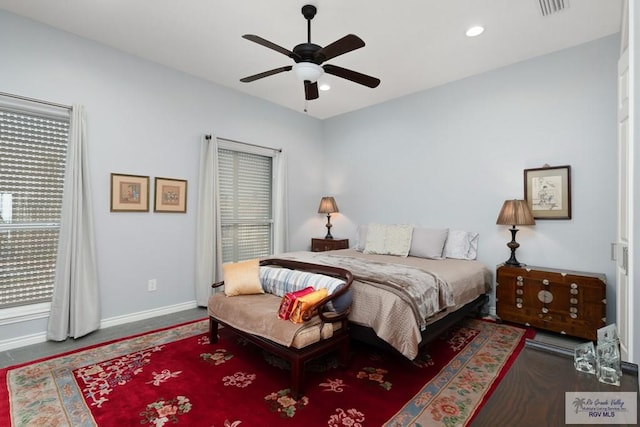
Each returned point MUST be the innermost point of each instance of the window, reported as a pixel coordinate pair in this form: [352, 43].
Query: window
[245, 186]
[33, 147]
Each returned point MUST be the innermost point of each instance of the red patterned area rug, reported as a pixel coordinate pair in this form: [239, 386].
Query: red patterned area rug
[175, 376]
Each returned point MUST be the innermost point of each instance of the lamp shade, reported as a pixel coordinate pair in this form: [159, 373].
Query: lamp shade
[515, 212]
[328, 205]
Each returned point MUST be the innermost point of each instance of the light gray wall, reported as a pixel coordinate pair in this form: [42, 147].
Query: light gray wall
[450, 156]
[146, 119]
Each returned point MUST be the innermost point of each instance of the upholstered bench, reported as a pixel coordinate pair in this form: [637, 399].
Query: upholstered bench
[254, 314]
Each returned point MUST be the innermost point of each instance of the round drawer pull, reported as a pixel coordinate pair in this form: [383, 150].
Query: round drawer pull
[545, 310]
[519, 305]
[573, 316]
[574, 292]
[545, 282]
[519, 291]
[573, 310]
[574, 286]
[573, 300]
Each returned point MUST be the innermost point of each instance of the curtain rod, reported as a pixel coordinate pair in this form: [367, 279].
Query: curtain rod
[40, 101]
[246, 143]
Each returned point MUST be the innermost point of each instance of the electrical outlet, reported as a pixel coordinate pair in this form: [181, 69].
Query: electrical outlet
[152, 285]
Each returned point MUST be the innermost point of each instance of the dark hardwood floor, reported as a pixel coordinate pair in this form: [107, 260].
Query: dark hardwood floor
[532, 392]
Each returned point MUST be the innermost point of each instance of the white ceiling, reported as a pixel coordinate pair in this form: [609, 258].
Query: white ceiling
[411, 45]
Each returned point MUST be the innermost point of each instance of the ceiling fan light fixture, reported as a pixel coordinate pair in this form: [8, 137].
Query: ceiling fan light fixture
[307, 71]
[324, 86]
[475, 31]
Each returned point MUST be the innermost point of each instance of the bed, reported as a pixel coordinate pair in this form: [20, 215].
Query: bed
[406, 301]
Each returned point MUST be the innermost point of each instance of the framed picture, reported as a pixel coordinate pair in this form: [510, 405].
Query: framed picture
[129, 193]
[171, 195]
[547, 190]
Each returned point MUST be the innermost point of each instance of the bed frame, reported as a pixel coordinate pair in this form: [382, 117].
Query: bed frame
[476, 308]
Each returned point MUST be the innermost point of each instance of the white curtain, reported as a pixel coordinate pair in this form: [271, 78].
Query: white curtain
[280, 204]
[208, 230]
[75, 306]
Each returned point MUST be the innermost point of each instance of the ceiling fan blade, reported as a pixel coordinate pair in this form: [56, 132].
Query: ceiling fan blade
[270, 45]
[346, 44]
[266, 74]
[310, 90]
[354, 76]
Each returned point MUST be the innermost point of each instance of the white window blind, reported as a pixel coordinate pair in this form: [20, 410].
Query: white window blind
[33, 149]
[245, 185]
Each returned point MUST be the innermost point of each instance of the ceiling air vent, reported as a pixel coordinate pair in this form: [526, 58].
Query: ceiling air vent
[547, 7]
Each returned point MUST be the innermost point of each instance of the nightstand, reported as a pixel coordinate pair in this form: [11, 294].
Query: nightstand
[564, 301]
[321, 245]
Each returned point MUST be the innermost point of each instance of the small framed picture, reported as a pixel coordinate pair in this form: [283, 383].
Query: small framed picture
[171, 195]
[129, 193]
[547, 191]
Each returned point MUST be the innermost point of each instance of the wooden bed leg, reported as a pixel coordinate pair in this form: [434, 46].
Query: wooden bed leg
[344, 354]
[213, 330]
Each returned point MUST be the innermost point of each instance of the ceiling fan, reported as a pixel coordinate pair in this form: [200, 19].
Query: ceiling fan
[308, 58]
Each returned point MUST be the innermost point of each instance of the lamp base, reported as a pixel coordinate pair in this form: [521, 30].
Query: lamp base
[513, 245]
[512, 262]
[328, 236]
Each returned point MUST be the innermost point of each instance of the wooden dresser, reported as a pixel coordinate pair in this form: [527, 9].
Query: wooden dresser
[564, 301]
[321, 245]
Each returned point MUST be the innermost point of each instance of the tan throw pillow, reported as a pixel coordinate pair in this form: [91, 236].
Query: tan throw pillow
[242, 278]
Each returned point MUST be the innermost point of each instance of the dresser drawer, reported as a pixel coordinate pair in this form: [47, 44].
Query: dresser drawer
[564, 301]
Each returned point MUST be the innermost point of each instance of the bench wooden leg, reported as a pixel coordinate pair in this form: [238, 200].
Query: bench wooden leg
[297, 376]
[213, 330]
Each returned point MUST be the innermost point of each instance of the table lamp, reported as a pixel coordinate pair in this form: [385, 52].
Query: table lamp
[328, 205]
[515, 212]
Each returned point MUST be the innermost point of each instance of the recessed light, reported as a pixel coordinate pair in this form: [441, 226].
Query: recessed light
[475, 31]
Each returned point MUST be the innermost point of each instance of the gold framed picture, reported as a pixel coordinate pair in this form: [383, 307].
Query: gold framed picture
[547, 191]
[129, 193]
[171, 195]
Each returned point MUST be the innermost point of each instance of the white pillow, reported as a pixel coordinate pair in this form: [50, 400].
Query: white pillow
[461, 245]
[428, 242]
[388, 239]
[361, 237]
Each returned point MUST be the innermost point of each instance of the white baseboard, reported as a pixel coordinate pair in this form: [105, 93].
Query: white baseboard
[492, 311]
[148, 314]
[11, 343]
[41, 337]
